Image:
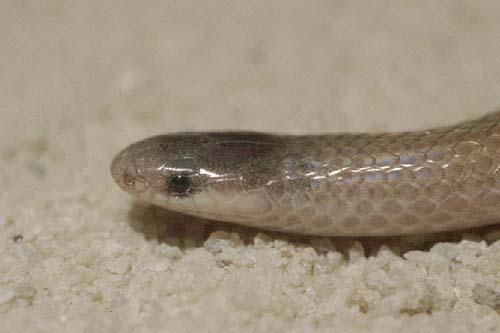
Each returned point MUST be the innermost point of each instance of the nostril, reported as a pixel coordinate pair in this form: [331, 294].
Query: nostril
[128, 179]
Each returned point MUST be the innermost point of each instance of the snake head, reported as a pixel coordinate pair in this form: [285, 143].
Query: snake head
[211, 175]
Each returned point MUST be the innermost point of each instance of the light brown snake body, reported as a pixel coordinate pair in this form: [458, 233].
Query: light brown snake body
[334, 184]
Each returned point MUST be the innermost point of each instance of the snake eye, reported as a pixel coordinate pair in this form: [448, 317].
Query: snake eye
[179, 185]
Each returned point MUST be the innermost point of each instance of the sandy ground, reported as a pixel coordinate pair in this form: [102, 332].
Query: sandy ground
[82, 79]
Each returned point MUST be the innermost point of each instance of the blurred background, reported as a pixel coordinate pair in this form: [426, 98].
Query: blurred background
[263, 65]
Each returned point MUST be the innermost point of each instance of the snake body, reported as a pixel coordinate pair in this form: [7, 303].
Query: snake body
[373, 184]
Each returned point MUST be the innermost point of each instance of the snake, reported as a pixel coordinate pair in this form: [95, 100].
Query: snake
[332, 184]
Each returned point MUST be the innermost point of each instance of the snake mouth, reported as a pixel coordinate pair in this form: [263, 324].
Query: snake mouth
[222, 206]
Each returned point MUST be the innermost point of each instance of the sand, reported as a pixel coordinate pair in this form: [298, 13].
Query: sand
[82, 79]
